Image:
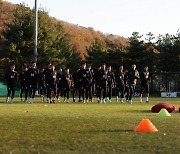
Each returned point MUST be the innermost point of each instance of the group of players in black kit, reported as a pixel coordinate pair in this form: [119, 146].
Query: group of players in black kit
[56, 85]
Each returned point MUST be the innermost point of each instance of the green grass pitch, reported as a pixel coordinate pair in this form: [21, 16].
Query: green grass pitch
[87, 128]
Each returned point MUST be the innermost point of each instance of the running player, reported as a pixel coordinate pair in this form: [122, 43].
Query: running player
[67, 83]
[83, 81]
[110, 82]
[32, 77]
[89, 86]
[59, 84]
[50, 80]
[24, 83]
[145, 80]
[120, 84]
[132, 77]
[103, 79]
[11, 77]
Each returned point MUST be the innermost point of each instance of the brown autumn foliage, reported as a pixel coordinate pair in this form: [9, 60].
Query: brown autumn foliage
[80, 37]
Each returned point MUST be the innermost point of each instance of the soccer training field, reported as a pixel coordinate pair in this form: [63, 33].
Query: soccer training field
[87, 128]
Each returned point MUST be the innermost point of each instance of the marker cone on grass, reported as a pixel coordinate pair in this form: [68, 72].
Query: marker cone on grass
[145, 126]
[163, 113]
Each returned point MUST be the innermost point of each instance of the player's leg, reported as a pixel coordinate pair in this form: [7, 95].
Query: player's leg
[147, 93]
[122, 89]
[8, 93]
[141, 94]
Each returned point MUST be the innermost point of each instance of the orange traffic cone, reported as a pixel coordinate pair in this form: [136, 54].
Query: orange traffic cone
[145, 126]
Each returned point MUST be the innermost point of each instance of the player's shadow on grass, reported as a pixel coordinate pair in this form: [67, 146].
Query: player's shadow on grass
[141, 111]
[112, 131]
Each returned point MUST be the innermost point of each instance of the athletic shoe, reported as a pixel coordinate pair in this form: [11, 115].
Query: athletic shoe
[140, 99]
[53, 101]
[11, 101]
[64, 100]
[99, 101]
[130, 101]
[91, 101]
[59, 99]
[47, 100]
[7, 100]
[121, 100]
[117, 99]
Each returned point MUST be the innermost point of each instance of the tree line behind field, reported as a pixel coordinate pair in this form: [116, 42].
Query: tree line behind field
[66, 45]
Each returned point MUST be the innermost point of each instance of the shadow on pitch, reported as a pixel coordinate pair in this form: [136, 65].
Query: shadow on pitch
[112, 131]
[140, 111]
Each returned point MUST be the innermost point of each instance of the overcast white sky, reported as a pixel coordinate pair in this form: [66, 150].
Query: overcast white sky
[120, 17]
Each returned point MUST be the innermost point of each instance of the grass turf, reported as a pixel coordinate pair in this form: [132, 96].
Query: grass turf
[86, 128]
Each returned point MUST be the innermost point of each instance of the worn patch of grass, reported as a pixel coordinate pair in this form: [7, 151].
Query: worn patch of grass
[86, 128]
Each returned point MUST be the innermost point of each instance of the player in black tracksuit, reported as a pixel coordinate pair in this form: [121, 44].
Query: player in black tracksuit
[11, 77]
[132, 77]
[67, 83]
[75, 85]
[41, 84]
[24, 83]
[111, 82]
[83, 81]
[96, 80]
[50, 82]
[89, 86]
[44, 74]
[103, 81]
[120, 84]
[145, 80]
[59, 80]
[126, 90]
[32, 77]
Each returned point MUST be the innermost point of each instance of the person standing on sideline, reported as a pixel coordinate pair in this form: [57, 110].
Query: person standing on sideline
[120, 84]
[145, 80]
[132, 77]
[24, 83]
[11, 77]
[32, 76]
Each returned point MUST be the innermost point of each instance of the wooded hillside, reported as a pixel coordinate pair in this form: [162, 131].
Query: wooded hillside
[80, 37]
